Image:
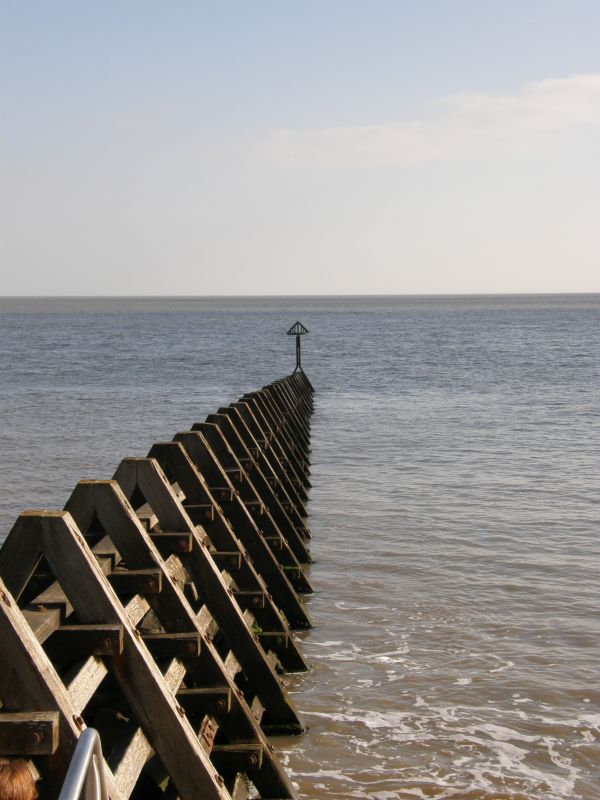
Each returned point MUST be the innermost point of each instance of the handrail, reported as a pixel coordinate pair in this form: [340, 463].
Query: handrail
[86, 771]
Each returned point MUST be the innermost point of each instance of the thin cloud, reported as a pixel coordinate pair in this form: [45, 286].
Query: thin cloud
[468, 126]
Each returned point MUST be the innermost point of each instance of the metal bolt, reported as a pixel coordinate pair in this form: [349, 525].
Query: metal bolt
[36, 738]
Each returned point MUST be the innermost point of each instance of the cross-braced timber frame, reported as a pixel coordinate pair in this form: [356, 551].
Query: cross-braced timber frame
[160, 607]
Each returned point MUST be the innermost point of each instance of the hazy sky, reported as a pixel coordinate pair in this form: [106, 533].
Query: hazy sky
[287, 146]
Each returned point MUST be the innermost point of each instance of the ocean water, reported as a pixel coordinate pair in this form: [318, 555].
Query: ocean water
[455, 511]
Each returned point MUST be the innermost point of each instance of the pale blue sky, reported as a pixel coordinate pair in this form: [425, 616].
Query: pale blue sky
[299, 147]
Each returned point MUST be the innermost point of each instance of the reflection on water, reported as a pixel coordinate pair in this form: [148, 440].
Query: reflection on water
[454, 513]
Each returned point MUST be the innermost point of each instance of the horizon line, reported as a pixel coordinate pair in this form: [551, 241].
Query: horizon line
[284, 296]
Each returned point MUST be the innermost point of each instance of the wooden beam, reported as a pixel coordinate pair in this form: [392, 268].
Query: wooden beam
[172, 645]
[28, 734]
[79, 641]
[168, 543]
[215, 700]
[28, 679]
[252, 600]
[238, 757]
[133, 750]
[21, 553]
[83, 679]
[135, 671]
[136, 581]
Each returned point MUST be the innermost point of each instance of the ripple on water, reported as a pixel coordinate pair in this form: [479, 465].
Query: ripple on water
[454, 512]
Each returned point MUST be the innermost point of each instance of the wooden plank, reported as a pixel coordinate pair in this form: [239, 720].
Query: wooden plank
[257, 709]
[246, 530]
[206, 622]
[81, 641]
[174, 459]
[172, 645]
[43, 623]
[232, 665]
[229, 560]
[234, 627]
[286, 442]
[201, 512]
[208, 732]
[238, 786]
[252, 600]
[255, 507]
[260, 677]
[275, 542]
[282, 509]
[228, 580]
[139, 679]
[222, 493]
[237, 757]
[132, 542]
[168, 543]
[245, 423]
[176, 462]
[249, 413]
[236, 475]
[147, 517]
[52, 597]
[273, 640]
[136, 610]
[128, 758]
[202, 700]
[29, 680]
[21, 553]
[136, 581]
[174, 673]
[28, 734]
[83, 679]
[135, 546]
[133, 750]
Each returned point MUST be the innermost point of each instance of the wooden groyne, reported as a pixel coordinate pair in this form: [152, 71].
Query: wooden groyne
[159, 608]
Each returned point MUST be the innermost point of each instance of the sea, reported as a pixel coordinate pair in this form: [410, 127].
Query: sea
[454, 511]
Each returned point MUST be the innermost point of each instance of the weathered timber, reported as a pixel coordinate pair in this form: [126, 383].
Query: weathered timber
[180, 470]
[248, 532]
[254, 488]
[105, 502]
[159, 608]
[31, 733]
[147, 478]
[28, 679]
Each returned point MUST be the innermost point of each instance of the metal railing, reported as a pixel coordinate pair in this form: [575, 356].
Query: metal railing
[85, 777]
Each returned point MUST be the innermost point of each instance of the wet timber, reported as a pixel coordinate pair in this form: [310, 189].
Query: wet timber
[159, 607]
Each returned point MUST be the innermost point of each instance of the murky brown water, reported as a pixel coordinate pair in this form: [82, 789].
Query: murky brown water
[455, 513]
